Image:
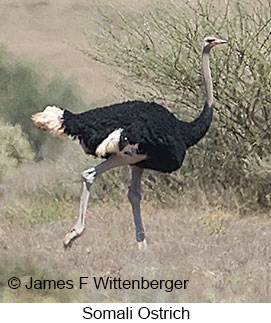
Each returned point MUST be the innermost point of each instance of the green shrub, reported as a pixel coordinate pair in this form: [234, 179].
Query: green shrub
[14, 147]
[24, 268]
[26, 89]
[160, 51]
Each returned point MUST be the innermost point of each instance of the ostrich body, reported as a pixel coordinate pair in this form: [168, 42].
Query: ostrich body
[138, 134]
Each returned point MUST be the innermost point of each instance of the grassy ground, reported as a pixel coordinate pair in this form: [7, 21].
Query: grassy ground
[225, 258]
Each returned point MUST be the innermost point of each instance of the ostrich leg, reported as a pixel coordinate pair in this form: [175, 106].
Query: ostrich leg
[134, 196]
[79, 226]
[89, 176]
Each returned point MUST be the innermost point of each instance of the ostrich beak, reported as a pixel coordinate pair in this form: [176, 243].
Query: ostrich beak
[220, 41]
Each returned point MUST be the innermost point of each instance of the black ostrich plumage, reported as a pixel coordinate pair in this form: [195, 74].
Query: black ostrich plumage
[158, 133]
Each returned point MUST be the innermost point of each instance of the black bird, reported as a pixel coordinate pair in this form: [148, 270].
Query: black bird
[138, 134]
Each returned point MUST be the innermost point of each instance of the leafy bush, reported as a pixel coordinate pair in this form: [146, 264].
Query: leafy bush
[14, 147]
[160, 50]
[25, 89]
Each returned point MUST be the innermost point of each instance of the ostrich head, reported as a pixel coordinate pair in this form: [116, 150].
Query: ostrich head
[210, 42]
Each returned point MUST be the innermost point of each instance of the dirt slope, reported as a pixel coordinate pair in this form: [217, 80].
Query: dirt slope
[44, 31]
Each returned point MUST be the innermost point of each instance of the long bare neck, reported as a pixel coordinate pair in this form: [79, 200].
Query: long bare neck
[207, 79]
[193, 131]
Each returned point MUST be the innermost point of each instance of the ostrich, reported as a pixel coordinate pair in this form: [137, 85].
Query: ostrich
[135, 133]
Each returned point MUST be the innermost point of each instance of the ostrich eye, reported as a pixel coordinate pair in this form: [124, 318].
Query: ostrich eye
[210, 40]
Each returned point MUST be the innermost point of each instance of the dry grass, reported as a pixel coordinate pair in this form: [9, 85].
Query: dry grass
[229, 265]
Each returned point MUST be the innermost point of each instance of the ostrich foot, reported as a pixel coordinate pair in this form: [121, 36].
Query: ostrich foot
[75, 232]
[142, 244]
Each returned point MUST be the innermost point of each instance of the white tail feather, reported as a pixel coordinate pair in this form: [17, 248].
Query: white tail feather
[51, 119]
